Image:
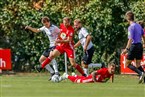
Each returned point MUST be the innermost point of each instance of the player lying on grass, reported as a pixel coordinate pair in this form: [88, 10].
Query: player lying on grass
[101, 75]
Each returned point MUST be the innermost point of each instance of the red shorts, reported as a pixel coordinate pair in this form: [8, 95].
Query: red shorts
[69, 51]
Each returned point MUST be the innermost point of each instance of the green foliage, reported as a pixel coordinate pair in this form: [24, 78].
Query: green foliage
[104, 19]
[105, 22]
[139, 9]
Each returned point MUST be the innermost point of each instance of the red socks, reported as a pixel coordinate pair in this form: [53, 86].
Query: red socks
[79, 69]
[47, 61]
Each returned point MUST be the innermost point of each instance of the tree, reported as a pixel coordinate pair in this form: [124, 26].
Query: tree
[103, 18]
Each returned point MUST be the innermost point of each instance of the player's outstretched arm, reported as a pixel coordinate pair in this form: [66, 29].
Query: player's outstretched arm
[77, 44]
[127, 47]
[94, 76]
[32, 29]
[112, 78]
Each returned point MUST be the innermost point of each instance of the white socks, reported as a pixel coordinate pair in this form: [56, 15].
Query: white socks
[93, 65]
[86, 71]
[54, 64]
[48, 67]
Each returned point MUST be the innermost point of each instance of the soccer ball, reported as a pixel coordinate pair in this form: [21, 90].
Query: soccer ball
[73, 74]
[55, 78]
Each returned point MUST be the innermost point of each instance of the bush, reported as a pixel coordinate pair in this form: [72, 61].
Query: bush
[103, 19]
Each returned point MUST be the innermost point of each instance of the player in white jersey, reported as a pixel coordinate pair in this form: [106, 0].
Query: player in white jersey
[52, 32]
[85, 40]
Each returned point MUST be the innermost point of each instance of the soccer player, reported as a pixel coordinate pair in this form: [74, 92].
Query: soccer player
[134, 46]
[66, 44]
[52, 33]
[101, 75]
[85, 40]
[142, 25]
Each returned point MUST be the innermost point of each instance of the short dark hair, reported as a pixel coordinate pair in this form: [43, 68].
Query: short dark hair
[129, 15]
[45, 19]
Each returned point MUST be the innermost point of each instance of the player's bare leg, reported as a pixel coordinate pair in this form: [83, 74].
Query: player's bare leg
[73, 63]
[54, 54]
[138, 65]
[130, 66]
[42, 58]
[66, 76]
[48, 67]
[55, 65]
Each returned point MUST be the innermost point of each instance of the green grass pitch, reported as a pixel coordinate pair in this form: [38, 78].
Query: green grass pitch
[37, 85]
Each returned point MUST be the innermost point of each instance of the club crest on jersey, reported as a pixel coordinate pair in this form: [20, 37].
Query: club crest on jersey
[63, 35]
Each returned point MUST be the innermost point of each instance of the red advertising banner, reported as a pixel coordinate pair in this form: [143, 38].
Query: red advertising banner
[5, 59]
[124, 69]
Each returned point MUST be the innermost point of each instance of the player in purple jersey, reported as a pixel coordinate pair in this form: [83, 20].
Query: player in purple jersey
[134, 46]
